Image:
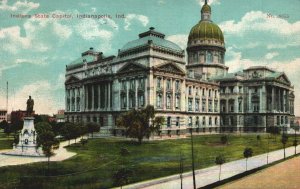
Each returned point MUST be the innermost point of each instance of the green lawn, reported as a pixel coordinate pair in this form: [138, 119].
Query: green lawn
[5, 141]
[100, 158]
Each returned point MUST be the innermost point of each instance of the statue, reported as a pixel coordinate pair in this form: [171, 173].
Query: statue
[30, 104]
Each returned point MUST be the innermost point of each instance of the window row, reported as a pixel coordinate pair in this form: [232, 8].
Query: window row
[159, 84]
[132, 84]
[203, 91]
[132, 101]
[193, 121]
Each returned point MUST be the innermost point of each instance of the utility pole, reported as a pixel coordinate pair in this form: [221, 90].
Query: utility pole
[193, 163]
[6, 100]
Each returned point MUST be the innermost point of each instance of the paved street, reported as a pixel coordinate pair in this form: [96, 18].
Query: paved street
[210, 175]
[61, 154]
[283, 175]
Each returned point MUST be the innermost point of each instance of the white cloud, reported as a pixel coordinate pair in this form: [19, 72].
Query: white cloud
[11, 40]
[179, 39]
[20, 6]
[41, 92]
[210, 2]
[89, 29]
[290, 68]
[271, 55]
[259, 21]
[144, 20]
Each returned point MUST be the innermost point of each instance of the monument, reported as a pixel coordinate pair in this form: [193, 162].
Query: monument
[27, 145]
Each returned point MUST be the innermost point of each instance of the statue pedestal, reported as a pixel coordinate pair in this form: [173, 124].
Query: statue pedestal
[27, 145]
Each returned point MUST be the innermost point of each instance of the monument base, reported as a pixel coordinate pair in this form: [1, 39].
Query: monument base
[27, 145]
[30, 151]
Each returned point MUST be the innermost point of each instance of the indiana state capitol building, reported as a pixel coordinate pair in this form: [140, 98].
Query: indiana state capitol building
[198, 94]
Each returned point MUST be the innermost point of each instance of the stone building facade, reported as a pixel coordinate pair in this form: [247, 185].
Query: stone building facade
[199, 95]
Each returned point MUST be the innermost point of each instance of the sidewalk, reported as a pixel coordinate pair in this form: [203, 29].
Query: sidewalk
[61, 154]
[211, 175]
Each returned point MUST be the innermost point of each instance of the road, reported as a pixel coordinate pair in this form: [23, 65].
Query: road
[211, 175]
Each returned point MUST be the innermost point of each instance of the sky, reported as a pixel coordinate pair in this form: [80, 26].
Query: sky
[34, 51]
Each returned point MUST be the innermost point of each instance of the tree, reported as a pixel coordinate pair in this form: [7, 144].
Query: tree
[46, 139]
[83, 141]
[224, 139]
[121, 176]
[284, 140]
[140, 123]
[3, 124]
[93, 127]
[295, 144]
[66, 130]
[247, 153]
[6, 127]
[220, 159]
[274, 131]
[258, 139]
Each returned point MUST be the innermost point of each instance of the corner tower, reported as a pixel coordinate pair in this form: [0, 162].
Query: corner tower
[206, 48]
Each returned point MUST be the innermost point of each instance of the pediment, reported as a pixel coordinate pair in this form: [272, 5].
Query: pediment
[132, 67]
[72, 79]
[283, 78]
[170, 68]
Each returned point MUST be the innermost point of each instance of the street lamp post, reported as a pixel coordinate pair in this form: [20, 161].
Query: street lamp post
[193, 164]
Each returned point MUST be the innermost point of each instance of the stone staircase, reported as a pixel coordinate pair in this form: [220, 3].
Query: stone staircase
[104, 132]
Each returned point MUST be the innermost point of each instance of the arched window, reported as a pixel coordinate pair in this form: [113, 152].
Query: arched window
[168, 101]
[158, 101]
[190, 121]
[177, 102]
[216, 121]
[209, 121]
[197, 121]
[209, 57]
[169, 122]
[203, 121]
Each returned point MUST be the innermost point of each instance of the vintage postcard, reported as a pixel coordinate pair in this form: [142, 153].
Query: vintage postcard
[160, 94]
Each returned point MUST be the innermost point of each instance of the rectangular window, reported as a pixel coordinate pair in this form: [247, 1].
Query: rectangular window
[158, 83]
[168, 84]
[177, 85]
[190, 104]
[197, 106]
[203, 105]
[177, 121]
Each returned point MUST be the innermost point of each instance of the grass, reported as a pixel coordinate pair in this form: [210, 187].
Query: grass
[96, 162]
[5, 141]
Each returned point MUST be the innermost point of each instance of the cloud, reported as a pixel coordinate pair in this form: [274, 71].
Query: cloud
[236, 62]
[19, 6]
[259, 21]
[271, 55]
[144, 20]
[43, 94]
[210, 2]
[179, 39]
[11, 40]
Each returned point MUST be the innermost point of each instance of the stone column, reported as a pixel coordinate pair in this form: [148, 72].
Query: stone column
[127, 94]
[262, 99]
[75, 97]
[207, 99]
[182, 96]
[66, 99]
[136, 93]
[99, 96]
[249, 100]
[284, 100]
[227, 105]
[93, 97]
[150, 86]
[164, 94]
[145, 92]
[273, 100]
[108, 94]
